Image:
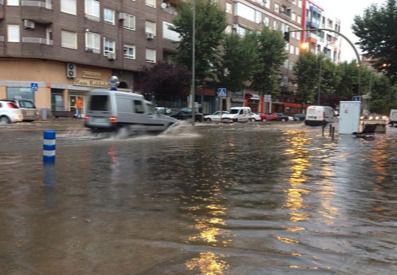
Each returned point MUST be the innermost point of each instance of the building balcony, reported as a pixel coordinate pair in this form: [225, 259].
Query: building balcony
[37, 40]
[37, 11]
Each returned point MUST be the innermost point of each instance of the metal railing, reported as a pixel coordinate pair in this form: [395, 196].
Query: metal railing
[37, 40]
[37, 3]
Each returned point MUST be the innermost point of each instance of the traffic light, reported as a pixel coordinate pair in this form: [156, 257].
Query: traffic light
[286, 36]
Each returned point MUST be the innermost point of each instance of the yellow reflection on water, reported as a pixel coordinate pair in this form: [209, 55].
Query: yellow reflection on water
[208, 263]
[300, 164]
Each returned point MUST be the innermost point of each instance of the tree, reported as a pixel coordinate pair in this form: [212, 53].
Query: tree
[165, 80]
[238, 61]
[306, 70]
[377, 34]
[270, 56]
[210, 26]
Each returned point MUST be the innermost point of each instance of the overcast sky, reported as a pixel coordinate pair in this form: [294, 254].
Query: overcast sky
[345, 10]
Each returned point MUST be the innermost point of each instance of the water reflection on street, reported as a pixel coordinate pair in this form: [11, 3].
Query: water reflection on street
[217, 199]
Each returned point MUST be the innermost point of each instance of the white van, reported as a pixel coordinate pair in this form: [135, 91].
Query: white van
[319, 115]
[393, 117]
[238, 114]
[109, 110]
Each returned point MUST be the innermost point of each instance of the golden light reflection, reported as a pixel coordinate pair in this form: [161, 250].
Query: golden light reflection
[210, 232]
[287, 240]
[208, 263]
[300, 164]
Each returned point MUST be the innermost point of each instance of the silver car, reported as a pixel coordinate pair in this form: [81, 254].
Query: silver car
[9, 112]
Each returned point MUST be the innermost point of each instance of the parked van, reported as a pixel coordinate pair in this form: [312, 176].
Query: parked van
[319, 115]
[393, 117]
[238, 114]
[110, 110]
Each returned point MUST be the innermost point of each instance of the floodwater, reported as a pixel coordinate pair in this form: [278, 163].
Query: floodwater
[228, 199]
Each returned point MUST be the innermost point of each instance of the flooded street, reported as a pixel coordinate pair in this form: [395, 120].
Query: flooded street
[217, 199]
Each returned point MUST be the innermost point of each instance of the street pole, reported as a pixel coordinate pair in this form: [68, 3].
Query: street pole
[193, 87]
[319, 81]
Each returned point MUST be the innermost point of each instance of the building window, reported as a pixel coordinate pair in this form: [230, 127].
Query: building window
[229, 8]
[258, 17]
[92, 10]
[298, 19]
[69, 40]
[129, 51]
[300, 3]
[266, 21]
[169, 33]
[245, 12]
[109, 46]
[150, 56]
[108, 16]
[150, 27]
[277, 8]
[12, 2]
[92, 42]
[291, 49]
[151, 3]
[293, 16]
[13, 33]
[68, 6]
[129, 21]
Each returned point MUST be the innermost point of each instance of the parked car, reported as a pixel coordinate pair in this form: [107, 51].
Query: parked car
[9, 112]
[29, 111]
[275, 117]
[299, 117]
[215, 116]
[238, 114]
[257, 117]
[186, 113]
[163, 110]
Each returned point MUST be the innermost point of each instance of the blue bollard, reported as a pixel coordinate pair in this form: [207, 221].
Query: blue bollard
[49, 146]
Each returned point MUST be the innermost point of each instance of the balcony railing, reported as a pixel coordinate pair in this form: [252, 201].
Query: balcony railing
[37, 40]
[37, 3]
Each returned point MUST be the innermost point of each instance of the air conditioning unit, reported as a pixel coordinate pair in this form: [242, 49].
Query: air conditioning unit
[71, 70]
[28, 24]
[122, 16]
[149, 36]
[111, 56]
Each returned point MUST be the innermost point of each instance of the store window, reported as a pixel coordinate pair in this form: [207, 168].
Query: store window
[20, 93]
[12, 2]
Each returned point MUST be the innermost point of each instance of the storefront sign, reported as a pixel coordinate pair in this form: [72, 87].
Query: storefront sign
[91, 75]
[91, 83]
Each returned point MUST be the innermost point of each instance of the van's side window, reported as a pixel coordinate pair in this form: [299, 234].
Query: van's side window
[139, 109]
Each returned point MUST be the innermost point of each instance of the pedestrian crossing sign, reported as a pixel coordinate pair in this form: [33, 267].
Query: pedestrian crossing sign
[221, 92]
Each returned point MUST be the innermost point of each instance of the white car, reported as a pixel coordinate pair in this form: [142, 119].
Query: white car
[215, 116]
[9, 112]
[238, 114]
[257, 117]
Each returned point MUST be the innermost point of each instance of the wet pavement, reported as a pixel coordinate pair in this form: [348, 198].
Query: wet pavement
[217, 199]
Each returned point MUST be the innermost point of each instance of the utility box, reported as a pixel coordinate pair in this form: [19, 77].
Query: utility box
[349, 117]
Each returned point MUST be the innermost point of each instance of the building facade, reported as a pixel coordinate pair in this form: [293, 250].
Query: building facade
[53, 51]
[325, 42]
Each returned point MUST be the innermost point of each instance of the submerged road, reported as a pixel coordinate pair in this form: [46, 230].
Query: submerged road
[216, 199]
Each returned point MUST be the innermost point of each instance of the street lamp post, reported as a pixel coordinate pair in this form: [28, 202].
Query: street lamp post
[193, 85]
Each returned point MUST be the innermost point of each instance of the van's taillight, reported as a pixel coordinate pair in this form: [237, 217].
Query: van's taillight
[113, 119]
[12, 105]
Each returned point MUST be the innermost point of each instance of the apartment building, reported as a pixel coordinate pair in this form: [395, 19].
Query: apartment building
[53, 51]
[325, 42]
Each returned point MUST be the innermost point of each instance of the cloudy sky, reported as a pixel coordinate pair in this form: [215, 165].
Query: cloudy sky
[345, 10]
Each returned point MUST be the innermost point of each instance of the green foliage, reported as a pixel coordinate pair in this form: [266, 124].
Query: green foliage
[210, 25]
[238, 61]
[307, 75]
[376, 29]
[270, 56]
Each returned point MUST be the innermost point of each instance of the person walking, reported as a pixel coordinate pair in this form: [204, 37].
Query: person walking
[79, 107]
